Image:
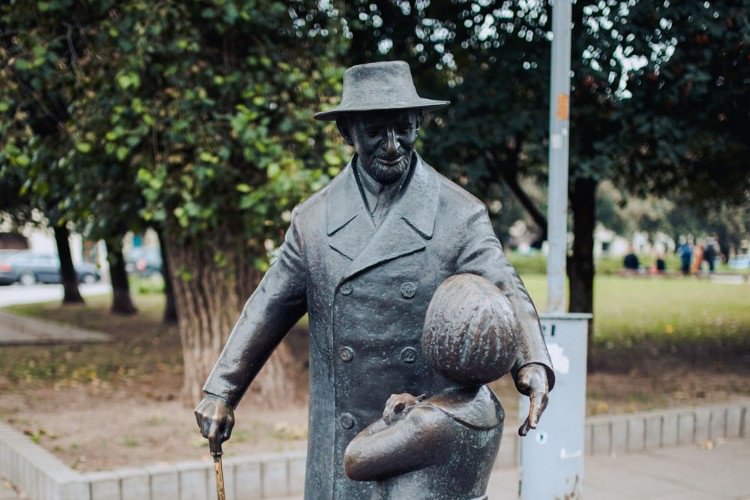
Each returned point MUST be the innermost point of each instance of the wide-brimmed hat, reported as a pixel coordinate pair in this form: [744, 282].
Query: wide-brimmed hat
[379, 86]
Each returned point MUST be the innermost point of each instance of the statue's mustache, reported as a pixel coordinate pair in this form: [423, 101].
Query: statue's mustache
[391, 158]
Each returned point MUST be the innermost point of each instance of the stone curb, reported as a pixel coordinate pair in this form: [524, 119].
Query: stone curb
[42, 476]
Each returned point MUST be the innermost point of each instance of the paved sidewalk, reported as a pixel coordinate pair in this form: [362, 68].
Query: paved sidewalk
[20, 330]
[685, 473]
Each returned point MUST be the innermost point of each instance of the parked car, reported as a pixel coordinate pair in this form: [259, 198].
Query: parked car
[28, 267]
[144, 261]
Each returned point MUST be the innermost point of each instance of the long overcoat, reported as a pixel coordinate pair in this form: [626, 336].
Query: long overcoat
[366, 289]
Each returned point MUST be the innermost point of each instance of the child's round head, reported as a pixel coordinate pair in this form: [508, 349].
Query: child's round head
[470, 332]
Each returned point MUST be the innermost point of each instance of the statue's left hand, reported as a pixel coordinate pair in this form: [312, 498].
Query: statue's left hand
[532, 382]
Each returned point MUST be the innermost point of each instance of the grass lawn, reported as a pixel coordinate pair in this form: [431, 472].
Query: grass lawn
[686, 316]
[658, 343]
[635, 319]
[144, 352]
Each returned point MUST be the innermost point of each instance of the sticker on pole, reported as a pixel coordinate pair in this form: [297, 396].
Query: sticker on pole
[560, 362]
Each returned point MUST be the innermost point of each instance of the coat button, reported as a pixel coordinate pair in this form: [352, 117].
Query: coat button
[346, 288]
[408, 290]
[346, 354]
[408, 355]
[347, 421]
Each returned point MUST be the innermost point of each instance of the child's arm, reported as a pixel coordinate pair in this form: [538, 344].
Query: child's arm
[381, 451]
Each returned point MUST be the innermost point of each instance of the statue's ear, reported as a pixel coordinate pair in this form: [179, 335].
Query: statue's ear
[343, 125]
[419, 116]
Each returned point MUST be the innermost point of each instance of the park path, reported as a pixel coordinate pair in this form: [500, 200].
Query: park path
[20, 330]
[17, 294]
[719, 472]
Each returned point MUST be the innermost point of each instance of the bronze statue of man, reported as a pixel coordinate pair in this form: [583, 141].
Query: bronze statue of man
[362, 258]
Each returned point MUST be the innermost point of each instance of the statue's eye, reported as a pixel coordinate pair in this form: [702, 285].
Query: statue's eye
[404, 126]
[372, 130]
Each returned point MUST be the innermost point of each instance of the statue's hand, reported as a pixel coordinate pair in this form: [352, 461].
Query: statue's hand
[532, 382]
[398, 405]
[215, 420]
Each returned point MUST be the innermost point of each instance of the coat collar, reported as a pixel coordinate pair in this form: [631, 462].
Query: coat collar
[410, 221]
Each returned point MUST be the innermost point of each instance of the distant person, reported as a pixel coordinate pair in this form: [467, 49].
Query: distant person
[695, 268]
[630, 263]
[686, 256]
[661, 265]
[709, 255]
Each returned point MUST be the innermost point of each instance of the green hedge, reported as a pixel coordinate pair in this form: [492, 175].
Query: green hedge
[537, 263]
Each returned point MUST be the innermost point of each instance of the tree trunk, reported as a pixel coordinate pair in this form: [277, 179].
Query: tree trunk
[170, 308]
[581, 263]
[508, 170]
[209, 298]
[528, 204]
[68, 276]
[121, 300]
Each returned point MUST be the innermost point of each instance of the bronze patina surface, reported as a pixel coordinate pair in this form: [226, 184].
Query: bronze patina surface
[363, 258]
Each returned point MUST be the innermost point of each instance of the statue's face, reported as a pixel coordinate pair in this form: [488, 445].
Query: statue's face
[384, 141]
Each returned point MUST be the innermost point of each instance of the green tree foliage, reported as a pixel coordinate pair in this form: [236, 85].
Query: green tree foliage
[628, 57]
[35, 91]
[205, 108]
[690, 104]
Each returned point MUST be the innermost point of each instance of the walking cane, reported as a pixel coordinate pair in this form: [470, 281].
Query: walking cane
[215, 447]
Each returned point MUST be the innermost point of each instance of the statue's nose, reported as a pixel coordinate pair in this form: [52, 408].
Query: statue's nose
[391, 143]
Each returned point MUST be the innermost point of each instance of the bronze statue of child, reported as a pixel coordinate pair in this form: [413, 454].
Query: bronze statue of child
[444, 446]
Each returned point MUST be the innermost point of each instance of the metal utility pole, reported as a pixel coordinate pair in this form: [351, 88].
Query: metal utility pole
[559, 128]
[552, 456]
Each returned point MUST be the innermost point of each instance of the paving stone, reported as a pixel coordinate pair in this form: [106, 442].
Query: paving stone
[134, 484]
[104, 485]
[165, 482]
[636, 433]
[734, 422]
[600, 439]
[619, 440]
[685, 428]
[296, 471]
[274, 476]
[669, 429]
[718, 426]
[702, 425]
[247, 480]
[653, 432]
[75, 489]
[193, 484]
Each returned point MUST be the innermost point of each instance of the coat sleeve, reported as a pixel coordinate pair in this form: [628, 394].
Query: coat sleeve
[421, 439]
[482, 254]
[277, 304]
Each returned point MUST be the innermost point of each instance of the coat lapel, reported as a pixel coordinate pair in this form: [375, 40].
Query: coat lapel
[349, 227]
[409, 223]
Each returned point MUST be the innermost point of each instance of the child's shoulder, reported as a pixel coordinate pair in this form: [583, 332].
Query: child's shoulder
[483, 411]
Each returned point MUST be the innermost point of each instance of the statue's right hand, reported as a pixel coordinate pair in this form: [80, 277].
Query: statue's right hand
[215, 419]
